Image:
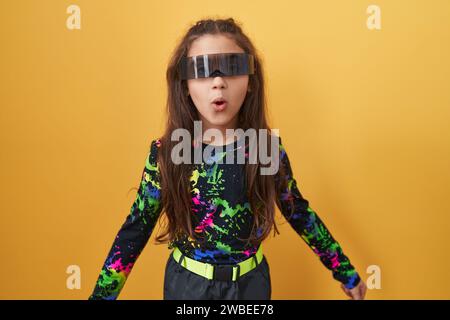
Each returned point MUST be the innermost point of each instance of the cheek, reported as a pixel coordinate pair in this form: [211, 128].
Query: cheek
[244, 82]
[240, 89]
[241, 82]
[198, 93]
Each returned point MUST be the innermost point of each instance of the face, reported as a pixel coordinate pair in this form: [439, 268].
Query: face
[204, 90]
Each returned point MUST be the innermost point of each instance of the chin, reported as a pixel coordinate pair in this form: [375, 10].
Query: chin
[219, 122]
[219, 119]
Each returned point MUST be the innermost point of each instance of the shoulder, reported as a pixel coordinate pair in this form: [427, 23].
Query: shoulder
[281, 148]
[274, 134]
[155, 145]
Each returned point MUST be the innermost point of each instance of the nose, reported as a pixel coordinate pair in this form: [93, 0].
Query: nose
[218, 80]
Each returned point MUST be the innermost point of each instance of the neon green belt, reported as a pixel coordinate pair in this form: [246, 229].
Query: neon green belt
[219, 272]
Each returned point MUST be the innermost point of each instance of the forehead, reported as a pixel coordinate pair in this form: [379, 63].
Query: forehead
[209, 44]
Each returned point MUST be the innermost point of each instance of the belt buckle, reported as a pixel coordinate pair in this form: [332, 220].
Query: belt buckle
[223, 272]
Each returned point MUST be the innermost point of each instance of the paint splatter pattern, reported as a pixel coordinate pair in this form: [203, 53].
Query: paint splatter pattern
[221, 215]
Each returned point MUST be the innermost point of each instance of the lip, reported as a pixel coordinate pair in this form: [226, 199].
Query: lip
[218, 99]
[219, 107]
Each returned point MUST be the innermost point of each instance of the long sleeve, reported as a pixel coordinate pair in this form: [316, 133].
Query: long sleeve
[134, 232]
[311, 229]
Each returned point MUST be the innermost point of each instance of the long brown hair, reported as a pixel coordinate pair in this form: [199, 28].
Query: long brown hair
[181, 113]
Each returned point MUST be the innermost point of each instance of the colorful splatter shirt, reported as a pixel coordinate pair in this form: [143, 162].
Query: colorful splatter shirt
[222, 214]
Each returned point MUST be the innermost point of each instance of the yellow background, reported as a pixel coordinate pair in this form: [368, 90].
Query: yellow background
[363, 114]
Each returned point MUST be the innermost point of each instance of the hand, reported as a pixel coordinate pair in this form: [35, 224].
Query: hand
[358, 292]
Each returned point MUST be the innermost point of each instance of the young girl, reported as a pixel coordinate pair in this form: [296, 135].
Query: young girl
[217, 213]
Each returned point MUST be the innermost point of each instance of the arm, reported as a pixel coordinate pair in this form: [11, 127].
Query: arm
[312, 230]
[133, 234]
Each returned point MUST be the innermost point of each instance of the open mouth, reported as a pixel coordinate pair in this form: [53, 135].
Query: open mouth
[220, 104]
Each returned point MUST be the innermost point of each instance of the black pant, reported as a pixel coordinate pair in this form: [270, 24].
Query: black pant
[182, 284]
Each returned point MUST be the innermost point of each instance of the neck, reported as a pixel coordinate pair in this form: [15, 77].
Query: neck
[224, 138]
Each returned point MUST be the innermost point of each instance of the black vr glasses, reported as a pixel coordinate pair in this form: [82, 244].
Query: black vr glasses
[215, 65]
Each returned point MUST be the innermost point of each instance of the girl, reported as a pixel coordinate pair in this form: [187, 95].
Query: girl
[217, 213]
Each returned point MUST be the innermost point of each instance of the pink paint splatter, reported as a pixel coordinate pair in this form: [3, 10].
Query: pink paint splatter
[117, 265]
[206, 222]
